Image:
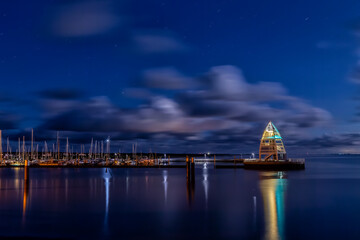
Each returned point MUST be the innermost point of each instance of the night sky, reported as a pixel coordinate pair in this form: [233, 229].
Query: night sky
[182, 76]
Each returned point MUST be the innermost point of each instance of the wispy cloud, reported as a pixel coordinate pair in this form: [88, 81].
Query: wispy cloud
[158, 42]
[331, 45]
[61, 94]
[166, 78]
[85, 18]
[9, 121]
[222, 109]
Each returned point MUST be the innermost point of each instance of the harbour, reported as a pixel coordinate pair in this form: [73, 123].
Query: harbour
[91, 203]
[179, 120]
[272, 156]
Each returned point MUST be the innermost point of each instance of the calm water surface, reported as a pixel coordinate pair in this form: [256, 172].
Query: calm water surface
[321, 202]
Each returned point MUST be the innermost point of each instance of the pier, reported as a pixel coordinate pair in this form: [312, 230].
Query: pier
[272, 156]
[272, 153]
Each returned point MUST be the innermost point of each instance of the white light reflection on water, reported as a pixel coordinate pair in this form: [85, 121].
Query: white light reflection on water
[165, 182]
[127, 184]
[107, 176]
[206, 184]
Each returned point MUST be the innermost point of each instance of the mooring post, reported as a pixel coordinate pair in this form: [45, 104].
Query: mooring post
[192, 171]
[214, 161]
[189, 184]
[26, 189]
[187, 169]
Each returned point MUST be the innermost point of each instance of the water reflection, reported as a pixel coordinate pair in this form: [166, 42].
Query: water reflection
[25, 191]
[127, 184]
[273, 188]
[107, 176]
[190, 183]
[254, 212]
[206, 183]
[165, 182]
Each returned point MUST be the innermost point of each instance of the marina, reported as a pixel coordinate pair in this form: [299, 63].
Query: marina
[179, 120]
[272, 156]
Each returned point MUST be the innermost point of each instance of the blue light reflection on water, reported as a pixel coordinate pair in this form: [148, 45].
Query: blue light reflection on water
[320, 202]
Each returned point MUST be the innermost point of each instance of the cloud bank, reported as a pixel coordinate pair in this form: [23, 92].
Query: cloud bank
[219, 110]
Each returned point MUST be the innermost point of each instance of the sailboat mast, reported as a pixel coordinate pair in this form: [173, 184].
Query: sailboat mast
[58, 146]
[32, 143]
[19, 149]
[23, 149]
[1, 155]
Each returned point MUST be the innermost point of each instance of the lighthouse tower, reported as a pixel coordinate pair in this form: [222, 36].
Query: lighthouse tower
[271, 145]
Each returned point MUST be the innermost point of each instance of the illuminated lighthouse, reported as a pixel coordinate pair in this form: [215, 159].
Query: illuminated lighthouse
[271, 145]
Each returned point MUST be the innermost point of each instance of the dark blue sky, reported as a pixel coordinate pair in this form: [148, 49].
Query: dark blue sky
[181, 75]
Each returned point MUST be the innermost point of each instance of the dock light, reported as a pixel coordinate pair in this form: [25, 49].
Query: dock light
[208, 153]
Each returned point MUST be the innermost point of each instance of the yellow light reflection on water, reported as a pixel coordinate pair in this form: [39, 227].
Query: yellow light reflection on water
[273, 187]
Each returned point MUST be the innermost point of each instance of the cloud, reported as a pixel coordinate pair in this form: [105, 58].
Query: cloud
[8, 121]
[99, 22]
[228, 82]
[336, 143]
[4, 98]
[137, 93]
[208, 115]
[158, 42]
[331, 45]
[226, 94]
[355, 74]
[166, 78]
[220, 110]
[165, 115]
[85, 18]
[61, 94]
[95, 115]
[98, 114]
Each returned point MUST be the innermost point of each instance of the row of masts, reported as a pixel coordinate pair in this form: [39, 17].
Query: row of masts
[96, 149]
[53, 154]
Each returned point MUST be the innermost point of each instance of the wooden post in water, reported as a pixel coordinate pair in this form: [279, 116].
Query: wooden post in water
[26, 163]
[169, 160]
[214, 160]
[192, 177]
[187, 169]
[192, 171]
[189, 186]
